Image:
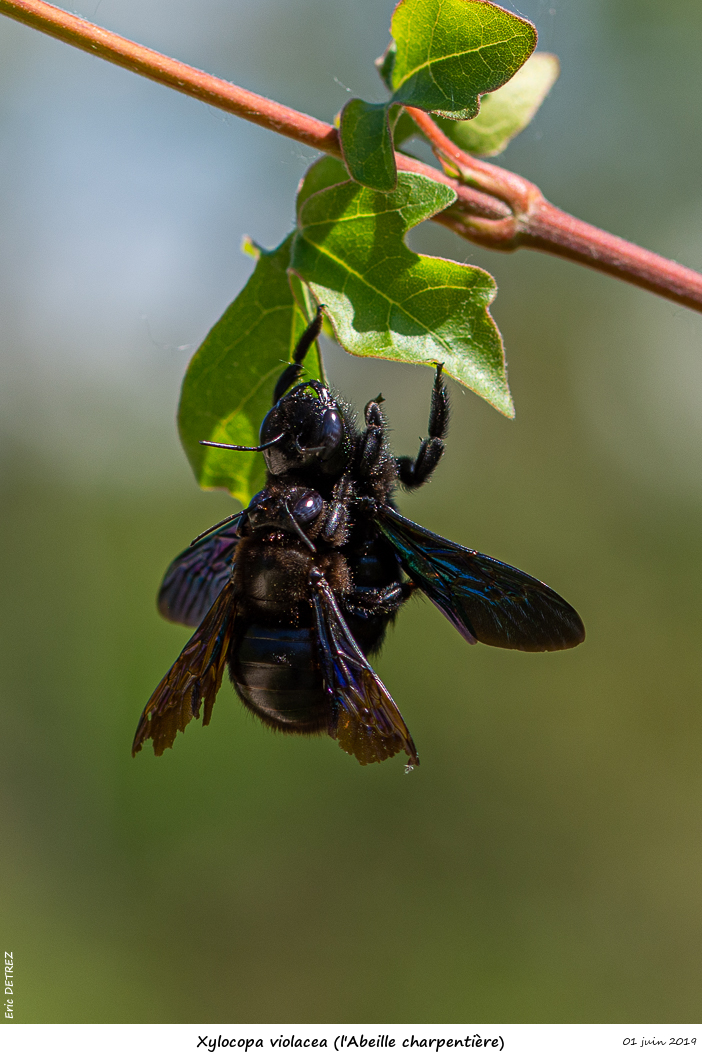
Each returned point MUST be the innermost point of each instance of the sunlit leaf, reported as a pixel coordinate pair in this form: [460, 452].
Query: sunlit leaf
[229, 383]
[506, 112]
[447, 53]
[386, 301]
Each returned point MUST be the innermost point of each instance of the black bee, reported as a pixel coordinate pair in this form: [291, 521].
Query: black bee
[294, 592]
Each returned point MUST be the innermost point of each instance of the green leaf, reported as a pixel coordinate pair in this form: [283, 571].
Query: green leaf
[386, 301]
[366, 144]
[444, 56]
[385, 63]
[506, 112]
[450, 52]
[229, 383]
[405, 128]
[325, 172]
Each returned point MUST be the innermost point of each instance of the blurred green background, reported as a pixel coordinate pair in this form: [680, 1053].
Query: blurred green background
[545, 862]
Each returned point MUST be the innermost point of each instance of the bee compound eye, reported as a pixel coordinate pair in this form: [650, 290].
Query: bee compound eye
[308, 507]
[332, 430]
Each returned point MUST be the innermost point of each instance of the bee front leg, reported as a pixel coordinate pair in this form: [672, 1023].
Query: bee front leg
[335, 527]
[292, 373]
[372, 444]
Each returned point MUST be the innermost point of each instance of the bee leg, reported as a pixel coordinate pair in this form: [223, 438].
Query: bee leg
[335, 527]
[292, 373]
[292, 522]
[372, 609]
[371, 451]
[415, 472]
[367, 602]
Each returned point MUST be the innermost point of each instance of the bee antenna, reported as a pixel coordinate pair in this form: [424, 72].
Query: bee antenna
[204, 534]
[235, 447]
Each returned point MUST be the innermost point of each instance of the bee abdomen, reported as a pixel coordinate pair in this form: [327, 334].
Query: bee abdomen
[274, 672]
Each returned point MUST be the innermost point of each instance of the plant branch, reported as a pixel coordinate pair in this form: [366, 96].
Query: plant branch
[494, 207]
[535, 223]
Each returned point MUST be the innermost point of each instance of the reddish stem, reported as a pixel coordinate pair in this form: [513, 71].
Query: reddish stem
[537, 224]
[148, 63]
[555, 231]
[493, 207]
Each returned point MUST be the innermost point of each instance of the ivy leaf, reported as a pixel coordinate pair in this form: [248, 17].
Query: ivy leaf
[506, 112]
[229, 383]
[386, 301]
[366, 144]
[447, 53]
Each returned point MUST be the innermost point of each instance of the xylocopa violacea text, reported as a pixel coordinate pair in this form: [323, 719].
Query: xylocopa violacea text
[294, 592]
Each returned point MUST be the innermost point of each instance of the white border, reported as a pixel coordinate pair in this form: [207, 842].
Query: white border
[150, 1039]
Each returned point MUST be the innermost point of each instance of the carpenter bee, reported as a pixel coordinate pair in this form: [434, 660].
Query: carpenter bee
[295, 592]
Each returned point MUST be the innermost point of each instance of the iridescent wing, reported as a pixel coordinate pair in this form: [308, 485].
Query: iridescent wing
[193, 680]
[366, 721]
[198, 575]
[484, 599]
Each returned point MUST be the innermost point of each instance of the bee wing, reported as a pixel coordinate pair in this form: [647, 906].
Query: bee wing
[194, 678]
[367, 723]
[484, 599]
[198, 575]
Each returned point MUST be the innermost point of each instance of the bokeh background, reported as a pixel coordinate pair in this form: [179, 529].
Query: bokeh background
[545, 862]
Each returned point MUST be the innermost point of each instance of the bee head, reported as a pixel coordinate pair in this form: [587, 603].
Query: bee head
[311, 429]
